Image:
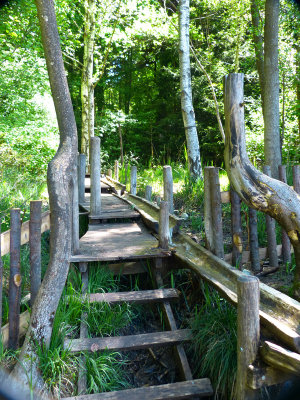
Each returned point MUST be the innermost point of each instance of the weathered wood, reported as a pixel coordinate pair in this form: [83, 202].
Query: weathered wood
[23, 326]
[175, 391]
[253, 240]
[271, 231]
[109, 173]
[216, 212]
[148, 192]
[265, 376]
[14, 295]
[95, 199]
[248, 332]
[82, 378]
[164, 231]
[116, 171]
[279, 313]
[168, 187]
[114, 242]
[127, 268]
[296, 178]
[1, 280]
[139, 297]
[225, 197]
[35, 248]
[286, 245]
[114, 185]
[280, 358]
[81, 177]
[207, 210]
[5, 236]
[75, 212]
[132, 342]
[126, 173]
[133, 179]
[236, 229]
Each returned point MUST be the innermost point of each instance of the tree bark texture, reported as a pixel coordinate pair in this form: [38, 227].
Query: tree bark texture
[259, 191]
[187, 108]
[87, 84]
[61, 172]
[271, 88]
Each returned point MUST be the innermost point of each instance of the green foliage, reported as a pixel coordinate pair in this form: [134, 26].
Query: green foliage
[214, 346]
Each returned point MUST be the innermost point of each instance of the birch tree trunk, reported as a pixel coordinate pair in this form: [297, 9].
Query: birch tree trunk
[187, 108]
[259, 191]
[61, 173]
[271, 88]
[87, 84]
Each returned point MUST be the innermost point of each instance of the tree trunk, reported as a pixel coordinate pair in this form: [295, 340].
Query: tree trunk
[188, 114]
[61, 173]
[87, 84]
[259, 191]
[258, 46]
[271, 88]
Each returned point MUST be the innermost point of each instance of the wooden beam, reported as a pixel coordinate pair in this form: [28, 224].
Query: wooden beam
[263, 254]
[281, 358]
[174, 391]
[265, 376]
[23, 326]
[132, 342]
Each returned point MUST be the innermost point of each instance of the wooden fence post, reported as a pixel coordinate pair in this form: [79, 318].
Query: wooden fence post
[168, 187]
[1, 280]
[75, 214]
[248, 332]
[164, 230]
[286, 244]
[207, 210]
[296, 178]
[253, 240]
[271, 231]
[216, 212]
[81, 177]
[14, 278]
[117, 170]
[133, 179]
[236, 228]
[35, 248]
[126, 172]
[109, 172]
[148, 192]
[95, 203]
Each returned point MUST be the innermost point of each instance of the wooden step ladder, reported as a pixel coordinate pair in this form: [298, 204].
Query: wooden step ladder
[187, 388]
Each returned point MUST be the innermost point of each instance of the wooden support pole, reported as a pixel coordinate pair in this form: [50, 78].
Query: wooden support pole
[168, 187]
[148, 192]
[296, 178]
[35, 248]
[236, 228]
[117, 170]
[133, 179]
[109, 172]
[1, 280]
[81, 177]
[14, 295]
[216, 212]
[286, 244]
[207, 210]
[95, 206]
[164, 230]
[271, 231]
[75, 213]
[253, 240]
[248, 332]
[126, 172]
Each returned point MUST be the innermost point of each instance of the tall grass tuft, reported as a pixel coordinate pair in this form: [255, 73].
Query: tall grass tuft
[214, 343]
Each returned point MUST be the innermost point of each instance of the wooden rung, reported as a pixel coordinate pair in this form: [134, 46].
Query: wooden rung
[132, 342]
[141, 296]
[175, 391]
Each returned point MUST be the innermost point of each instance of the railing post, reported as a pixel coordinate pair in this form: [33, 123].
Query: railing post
[286, 244]
[271, 231]
[207, 210]
[148, 192]
[95, 204]
[236, 229]
[164, 225]
[14, 278]
[126, 172]
[1, 280]
[248, 332]
[35, 248]
[75, 213]
[117, 170]
[253, 240]
[133, 179]
[296, 178]
[168, 187]
[109, 173]
[216, 212]
[81, 177]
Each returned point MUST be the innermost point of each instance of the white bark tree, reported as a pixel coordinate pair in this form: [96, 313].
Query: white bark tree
[188, 115]
[61, 175]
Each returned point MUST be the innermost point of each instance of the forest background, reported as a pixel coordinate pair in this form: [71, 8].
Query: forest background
[137, 85]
